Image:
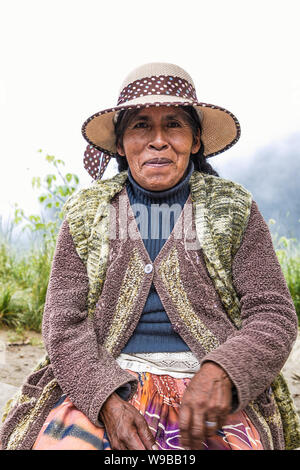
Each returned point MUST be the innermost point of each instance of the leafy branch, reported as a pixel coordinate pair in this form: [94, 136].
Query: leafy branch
[56, 187]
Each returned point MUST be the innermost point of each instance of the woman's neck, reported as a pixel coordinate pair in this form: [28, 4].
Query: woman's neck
[170, 195]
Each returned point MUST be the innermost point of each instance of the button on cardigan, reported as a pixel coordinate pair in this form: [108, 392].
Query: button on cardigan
[154, 332]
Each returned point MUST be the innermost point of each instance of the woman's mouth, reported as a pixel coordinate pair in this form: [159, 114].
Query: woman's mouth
[158, 162]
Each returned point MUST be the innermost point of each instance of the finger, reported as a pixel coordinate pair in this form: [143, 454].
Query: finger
[123, 434]
[121, 446]
[145, 433]
[197, 431]
[211, 422]
[218, 408]
[184, 426]
[133, 441]
[192, 426]
[225, 404]
[115, 442]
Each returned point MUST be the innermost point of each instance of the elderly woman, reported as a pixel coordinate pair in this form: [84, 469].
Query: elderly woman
[167, 319]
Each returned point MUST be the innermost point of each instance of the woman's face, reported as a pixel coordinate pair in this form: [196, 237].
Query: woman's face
[157, 143]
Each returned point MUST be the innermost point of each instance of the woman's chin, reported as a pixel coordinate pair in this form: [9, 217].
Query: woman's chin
[157, 178]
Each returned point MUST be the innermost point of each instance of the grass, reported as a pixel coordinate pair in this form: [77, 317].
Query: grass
[288, 253]
[23, 285]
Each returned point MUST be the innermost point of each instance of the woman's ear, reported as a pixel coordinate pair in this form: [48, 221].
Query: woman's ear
[120, 150]
[196, 143]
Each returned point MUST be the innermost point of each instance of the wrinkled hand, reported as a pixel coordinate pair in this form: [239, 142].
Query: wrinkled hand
[126, 428]
[207, 398]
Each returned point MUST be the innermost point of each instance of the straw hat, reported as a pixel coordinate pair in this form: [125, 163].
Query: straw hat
[156, 84]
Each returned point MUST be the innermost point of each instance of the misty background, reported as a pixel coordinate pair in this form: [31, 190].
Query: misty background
[272, 176]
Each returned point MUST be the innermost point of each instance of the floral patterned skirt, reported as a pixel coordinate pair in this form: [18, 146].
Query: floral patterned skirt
[158, 398]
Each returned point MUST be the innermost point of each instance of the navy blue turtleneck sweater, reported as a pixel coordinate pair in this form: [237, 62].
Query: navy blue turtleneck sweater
[154, 332]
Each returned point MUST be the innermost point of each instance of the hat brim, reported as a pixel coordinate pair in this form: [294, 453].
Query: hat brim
[220, 128]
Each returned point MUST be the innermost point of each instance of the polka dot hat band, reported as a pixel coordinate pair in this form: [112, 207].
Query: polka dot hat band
[156, 84]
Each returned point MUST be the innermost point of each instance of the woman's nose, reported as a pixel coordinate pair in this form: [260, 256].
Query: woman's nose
[158, 140]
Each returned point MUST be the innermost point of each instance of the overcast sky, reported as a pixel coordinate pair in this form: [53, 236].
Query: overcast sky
[64, 60]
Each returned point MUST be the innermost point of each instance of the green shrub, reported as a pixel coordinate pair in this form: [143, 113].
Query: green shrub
[9, 315]
[23, 286]
[24, 275]
[288, 253]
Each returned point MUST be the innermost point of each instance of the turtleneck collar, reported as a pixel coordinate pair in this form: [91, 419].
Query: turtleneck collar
[171, 195]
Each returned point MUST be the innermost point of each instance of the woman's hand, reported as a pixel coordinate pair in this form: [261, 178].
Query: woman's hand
[126, 428]
[206, 399]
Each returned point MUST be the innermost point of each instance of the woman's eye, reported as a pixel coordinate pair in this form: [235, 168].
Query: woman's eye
[140, 125]
[174, 124]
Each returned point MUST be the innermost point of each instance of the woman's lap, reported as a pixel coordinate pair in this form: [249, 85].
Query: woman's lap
[158, 398]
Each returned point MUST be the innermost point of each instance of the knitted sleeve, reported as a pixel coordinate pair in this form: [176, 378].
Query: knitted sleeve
[256, 353]
[86, 372]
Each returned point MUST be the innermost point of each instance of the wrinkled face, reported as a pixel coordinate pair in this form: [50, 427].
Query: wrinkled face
[157, 143]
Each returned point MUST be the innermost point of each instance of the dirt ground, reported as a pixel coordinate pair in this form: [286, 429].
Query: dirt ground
[19, 355]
